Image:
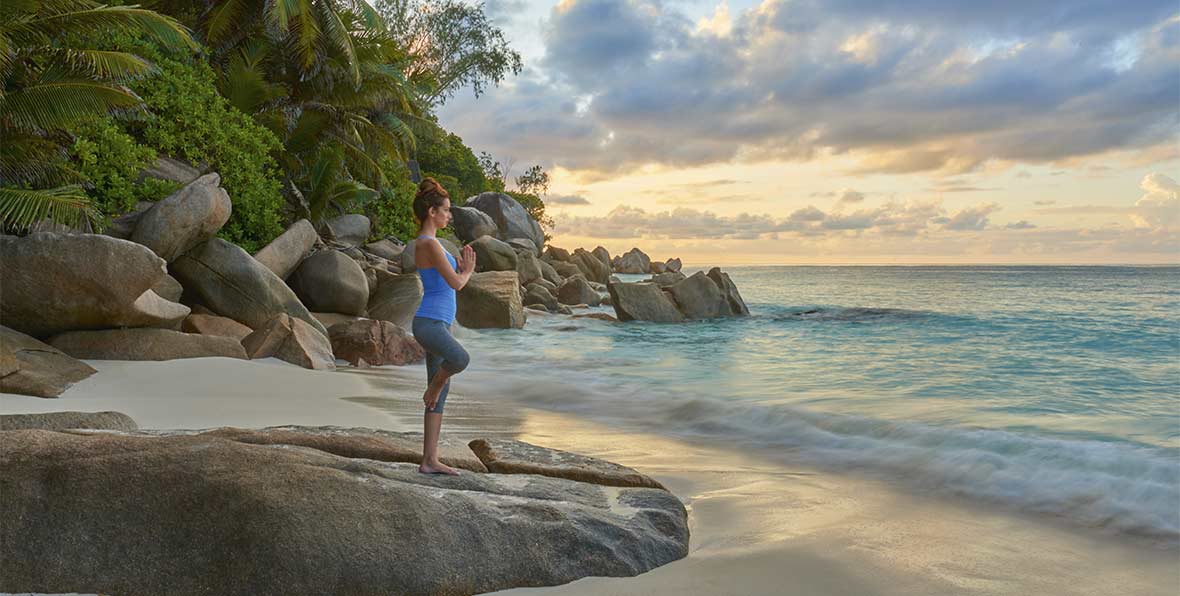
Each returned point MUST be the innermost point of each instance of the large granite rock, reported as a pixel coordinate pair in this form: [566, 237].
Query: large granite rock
[66, 420]
[642, 302]
[737, 306]
[505, 456]
[491, 299]
[375, 342]
[407, 262]
[673, 265]
[549, 273]
[634, 261]
[493, 255]
[396, 299]
[284, 253]
[576, 290]
[145, 344]
[173, 170]
[553, 253]
[235, 285]
[119, 513]
[470, 223]
[185, 219]
[566, 269]
[291, 340]
[603, 255]
[591, 266]
[352, 229]
[386, 249]
[61, 282]
[168, 288]
[512, 220]
[667, 278]
[330, 281]
[658, 268]
[538, 295]
[528, 267]
[524, 244]
[31, 367]
[122, 226]
[215, 325]
[699, 298]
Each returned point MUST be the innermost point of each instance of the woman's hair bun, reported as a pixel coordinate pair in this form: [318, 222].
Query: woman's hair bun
[430, 194]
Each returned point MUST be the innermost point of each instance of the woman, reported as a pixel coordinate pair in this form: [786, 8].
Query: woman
[441, 276]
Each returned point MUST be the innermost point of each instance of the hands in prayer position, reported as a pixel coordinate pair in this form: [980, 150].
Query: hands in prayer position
[466, 260]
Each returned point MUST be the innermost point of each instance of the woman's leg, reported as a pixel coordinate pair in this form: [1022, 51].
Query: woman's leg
[445, 358]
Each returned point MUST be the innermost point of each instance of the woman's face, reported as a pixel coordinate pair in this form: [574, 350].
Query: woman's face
[441, 215]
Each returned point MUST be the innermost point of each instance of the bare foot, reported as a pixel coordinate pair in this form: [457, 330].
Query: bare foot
[438, 468]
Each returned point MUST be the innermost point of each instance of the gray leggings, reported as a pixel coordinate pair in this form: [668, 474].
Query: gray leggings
[441, 351]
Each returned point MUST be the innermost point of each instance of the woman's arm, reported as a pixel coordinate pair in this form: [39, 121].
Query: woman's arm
[437, 259]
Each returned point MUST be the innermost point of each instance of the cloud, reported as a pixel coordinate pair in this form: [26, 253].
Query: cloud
[969, 219]
[1159, 207]
[849, 196]
[945, 87]
[566, 200]
[1045, 202]
[1020, 225]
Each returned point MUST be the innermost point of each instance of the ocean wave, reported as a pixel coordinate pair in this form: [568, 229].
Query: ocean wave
[1114, 486]
[850, 314]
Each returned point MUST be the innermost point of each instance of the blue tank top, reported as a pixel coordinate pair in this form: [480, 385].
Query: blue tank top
[438, 298]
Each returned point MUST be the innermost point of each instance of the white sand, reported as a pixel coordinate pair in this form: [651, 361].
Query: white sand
[758, 528]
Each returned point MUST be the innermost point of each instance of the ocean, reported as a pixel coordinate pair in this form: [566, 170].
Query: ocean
[1049, 390]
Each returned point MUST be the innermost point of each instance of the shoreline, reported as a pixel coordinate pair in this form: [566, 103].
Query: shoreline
[758, 526]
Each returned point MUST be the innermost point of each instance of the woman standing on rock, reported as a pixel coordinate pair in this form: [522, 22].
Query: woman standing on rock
[441, 277]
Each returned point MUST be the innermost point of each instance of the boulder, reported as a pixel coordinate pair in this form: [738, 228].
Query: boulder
[566, 269]
[185, 219]
[61, 282]
[590, 266]
[667, 278]
[291, 340]
[375, 342]
[493, 255]
[197, 514]
[603, 255]
[576, 290]
[673, 265]
[658, 268]
[491, 299]
[145, 344]
[538, 295]
[215, 325]
[352, 229]
[407, 261]
[698, 297]
[512, 220]
[470, 223]
[284, 253]
[557, 254]
[737, 306]
[173, 170]
[66, 420]
[233, 284]
[549, 273]
[168, 288]
[330, 281]
[31, 367]
[386, 249]
[642, 302]
[506, 456]
[524, 244]
[633, 261]
[327, 319]
[528, 267]
[397, 298]
[548, 285]
[122, 226]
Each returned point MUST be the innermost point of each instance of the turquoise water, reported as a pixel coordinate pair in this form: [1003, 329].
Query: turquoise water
[1047, 389]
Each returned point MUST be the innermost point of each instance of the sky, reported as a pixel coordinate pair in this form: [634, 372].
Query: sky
[845, 131]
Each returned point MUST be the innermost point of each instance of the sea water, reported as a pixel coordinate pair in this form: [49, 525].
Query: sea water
[1053, 390]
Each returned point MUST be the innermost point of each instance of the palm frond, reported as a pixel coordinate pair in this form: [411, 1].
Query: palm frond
[67, 205]
[163, 29]
[102, 64]
[60, 104]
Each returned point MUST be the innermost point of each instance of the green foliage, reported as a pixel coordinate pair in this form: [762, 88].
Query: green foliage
[392, 213]
[191, 121]
[534, 181]
[449, 184]
[111, 160]
[326, 192]
[494, 173]
[445, 154]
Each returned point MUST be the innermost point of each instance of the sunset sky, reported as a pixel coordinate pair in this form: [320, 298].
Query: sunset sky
[846, 131]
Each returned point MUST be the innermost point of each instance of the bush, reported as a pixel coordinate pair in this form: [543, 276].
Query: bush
[111, 161]
[443, 152]
[392, 213]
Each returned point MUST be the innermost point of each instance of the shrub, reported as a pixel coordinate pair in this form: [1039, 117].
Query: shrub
[111, 161]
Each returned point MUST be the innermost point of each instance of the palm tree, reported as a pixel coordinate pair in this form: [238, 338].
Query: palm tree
[52, 79]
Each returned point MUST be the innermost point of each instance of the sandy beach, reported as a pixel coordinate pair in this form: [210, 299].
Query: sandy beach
[758, 527]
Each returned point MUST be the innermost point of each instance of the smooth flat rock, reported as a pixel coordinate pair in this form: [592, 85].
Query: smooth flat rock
[284, 253]
[141, 515]
[291, 340]
[505, 456]
[63, 282]
[185, 218]
[145, 344]
[66, 420]
[233, 284]
[29, 366]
